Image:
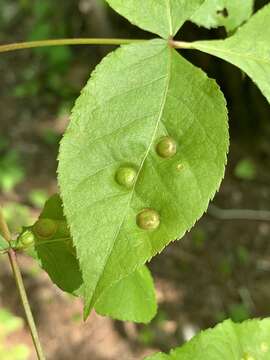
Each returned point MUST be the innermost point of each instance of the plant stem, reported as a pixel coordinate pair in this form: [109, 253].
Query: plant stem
[61, 42]
[85, 41]
[4, 230]
[238, 214]
[29, 316]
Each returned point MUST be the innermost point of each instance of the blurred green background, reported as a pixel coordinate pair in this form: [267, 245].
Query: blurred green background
[219, 270]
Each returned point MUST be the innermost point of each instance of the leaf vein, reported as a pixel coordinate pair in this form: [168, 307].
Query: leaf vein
[140, 168]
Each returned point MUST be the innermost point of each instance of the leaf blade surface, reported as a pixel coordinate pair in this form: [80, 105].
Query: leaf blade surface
[248, 49]
[131, 299]
[162, 17]
[138, 95]
[227, 341]
[227, 13]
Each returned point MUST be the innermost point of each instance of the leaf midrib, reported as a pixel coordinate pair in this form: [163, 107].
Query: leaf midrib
[169, 11]
[139, 171]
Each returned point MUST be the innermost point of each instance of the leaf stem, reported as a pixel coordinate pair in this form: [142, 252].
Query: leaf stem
[61, 42]
[52, 241]
[4, 230]
[84, 41]
[181, 44]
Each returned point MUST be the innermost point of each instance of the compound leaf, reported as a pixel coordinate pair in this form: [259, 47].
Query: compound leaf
[138, 95]
[162, 17]
[249, 49]
[227, 341]
[228, 13]
[131, 299]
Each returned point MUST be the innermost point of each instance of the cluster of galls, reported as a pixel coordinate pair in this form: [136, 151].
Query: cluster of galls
[44, 230]
[147, 219]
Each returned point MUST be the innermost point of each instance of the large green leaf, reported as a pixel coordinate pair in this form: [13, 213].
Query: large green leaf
[249, 49]
[162, 17]
[137, 95]
[227, 341]
[228, 13]
[131, 299]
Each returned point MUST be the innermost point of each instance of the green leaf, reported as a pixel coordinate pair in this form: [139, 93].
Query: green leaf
[227, 341]
[137, 95]
[248, 49]
[56, 253]
[162, 17]
[53, 209]
[131, 299]
[228, 13]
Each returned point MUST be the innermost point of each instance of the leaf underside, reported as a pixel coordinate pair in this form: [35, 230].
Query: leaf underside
[227, 13]
[227, 341]
[162, 17]
[137, 95]
[249, 49]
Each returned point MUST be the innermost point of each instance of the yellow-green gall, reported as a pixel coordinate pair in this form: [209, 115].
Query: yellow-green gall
[148, 219]
[126, 176]
[27, 238]
[166, 147]
[45, 228]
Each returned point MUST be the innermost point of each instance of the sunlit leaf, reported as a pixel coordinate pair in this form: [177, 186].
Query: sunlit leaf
[162, 17]
[228, 13]
[227, 341]
[248, 49]
[132, 298]
[138, 95]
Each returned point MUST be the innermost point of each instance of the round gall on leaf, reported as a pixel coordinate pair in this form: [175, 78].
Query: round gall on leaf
[45, 228]
[126, 176]
[148, 219]
[27, 238]
[167, 147]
